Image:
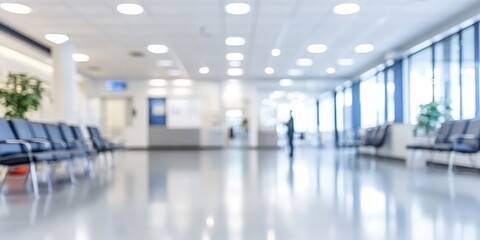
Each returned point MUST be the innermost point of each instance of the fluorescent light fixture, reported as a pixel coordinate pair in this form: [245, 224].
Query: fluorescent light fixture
[157, 91]
[345, 62]
[165, 63]
[346, 8]
[173, 72]
[269, 70]
[234, 56]
[129, 9]
[210, 222]
[238, 8]
[80, 57]
[271, 235]
[56, 38]
[235, 41]
[235, 63]
[304, 62]
[157, 82]
[182, 83]
[182, 91]
[364, 48]
[276, 52]
[331, 70]
[295, 72]
[204, 70]
[317, 48]
[16, 8]
[235, 72]
[285, 82]
[277, 94]
[157, 48]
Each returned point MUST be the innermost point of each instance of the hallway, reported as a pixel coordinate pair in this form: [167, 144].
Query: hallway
[251, 194]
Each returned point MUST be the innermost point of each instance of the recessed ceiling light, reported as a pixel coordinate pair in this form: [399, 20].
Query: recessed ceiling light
[317, 48]
[158, 82]
[269, 70]
[80, 57]
[173, 72]
[237, 8]
[204, 70]
[295, 72]
[57, 38]
[130, 9]
[276, 52]
[346, 9]
[157, 91]
[286, 82]
[182, 82]
[235, 72]
[345, 62]
[165, 63]
[16, 8]
[304, 62]
[157, 48]
[364, 48]
[331, 70]
[235, 41]
[234, 56]
[235, 63]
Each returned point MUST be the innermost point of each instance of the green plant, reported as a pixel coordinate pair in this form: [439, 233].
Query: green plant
[22, 93]
[431, 116]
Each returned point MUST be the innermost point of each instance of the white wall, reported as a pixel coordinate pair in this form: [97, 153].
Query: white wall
[18, 57]
[204, 97]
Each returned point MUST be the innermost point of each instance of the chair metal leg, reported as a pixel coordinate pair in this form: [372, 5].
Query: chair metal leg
[450, 162]
[472, 161]
[49, 177]
[71, 171]
[3, 177]
[33, 176]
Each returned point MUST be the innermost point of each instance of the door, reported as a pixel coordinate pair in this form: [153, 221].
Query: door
[116, 117]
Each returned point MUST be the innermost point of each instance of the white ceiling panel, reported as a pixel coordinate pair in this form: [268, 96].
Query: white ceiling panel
[195, 32]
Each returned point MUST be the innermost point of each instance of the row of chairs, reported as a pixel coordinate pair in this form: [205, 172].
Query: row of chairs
[374, 137]
[32, 143]
[460, 136]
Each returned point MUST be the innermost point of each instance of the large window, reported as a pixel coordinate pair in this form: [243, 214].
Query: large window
[421, 84]
[372, 101]
[390, 95]
[468, 74]
[339, 107]
[449, 78]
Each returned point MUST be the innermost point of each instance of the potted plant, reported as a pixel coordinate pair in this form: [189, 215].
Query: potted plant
[430, 117]
[21, 94]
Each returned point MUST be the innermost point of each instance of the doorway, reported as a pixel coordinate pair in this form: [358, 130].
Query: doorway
[116, 117]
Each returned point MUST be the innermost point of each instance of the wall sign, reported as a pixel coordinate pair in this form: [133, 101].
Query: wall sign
[157, 111]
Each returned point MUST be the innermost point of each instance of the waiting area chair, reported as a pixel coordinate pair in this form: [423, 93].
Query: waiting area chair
[31, 143]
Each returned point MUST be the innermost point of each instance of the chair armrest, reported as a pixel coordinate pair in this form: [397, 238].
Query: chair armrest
[456, 138]
[24, 143]
[61, 142]
[45, 142]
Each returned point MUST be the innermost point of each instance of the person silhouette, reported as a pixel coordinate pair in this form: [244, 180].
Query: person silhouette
[290, 133]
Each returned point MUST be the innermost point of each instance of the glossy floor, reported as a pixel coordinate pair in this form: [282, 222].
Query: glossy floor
[250, 195]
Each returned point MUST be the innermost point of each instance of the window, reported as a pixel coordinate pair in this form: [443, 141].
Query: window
[421, 84]
[468, 73]
[390, 95]
[372, 102]
[339, 104]
[326, 113]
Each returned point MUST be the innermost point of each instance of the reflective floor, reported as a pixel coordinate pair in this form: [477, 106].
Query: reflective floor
[250, 195]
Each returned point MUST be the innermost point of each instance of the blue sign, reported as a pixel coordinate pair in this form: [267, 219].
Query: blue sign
[115, 86]
[157, 111]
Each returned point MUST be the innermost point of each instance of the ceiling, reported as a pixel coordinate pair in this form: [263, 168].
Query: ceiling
[195, 31]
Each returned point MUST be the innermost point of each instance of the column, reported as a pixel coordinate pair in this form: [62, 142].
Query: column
[64, 85]
[253, 115]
